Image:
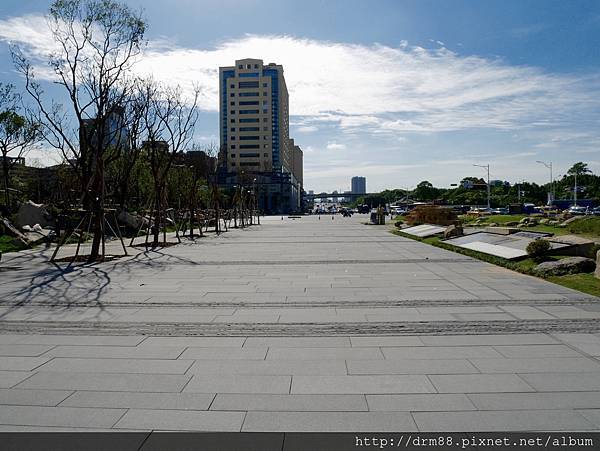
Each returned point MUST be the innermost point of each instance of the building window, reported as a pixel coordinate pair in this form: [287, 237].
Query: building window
[232, 86]
[232, 95]
[265, 129]
[231, 103]
[248, 120]
[248, 66]
[248, 111]
[256, 66]
[248, 84]
[249, 138]
[249, 102]
[266, 146]
[232, 129]
[248, 129]
[233, 163]
[264, 85]
[248, 94]
[232, 121]
[264, 93]
[265, 119]
[241, 66]
[265, 138]
[265, 110]
[265, 155]
[249, 146]
[249, 155]
[232, 155]
[233, 147]
[232, 112]
[249, 75]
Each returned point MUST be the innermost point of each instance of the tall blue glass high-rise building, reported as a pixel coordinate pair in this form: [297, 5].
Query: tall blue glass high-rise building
[255, 145]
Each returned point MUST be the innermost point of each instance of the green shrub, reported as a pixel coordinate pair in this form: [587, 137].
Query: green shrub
[399, 223]
[538, 247]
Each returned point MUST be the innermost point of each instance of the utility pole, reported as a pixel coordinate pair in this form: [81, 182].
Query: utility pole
[551, 192]
[487, 166]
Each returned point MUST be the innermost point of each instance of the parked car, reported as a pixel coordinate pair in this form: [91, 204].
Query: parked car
[578, 211]
[596, 211]
[500, 211]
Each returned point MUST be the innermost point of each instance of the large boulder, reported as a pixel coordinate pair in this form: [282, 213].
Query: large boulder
[132, 221]
[453, 231]
[570, 220]
[570, 265]
[31, 213]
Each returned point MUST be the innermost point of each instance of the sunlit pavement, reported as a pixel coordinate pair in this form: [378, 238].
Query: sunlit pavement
[294, 325]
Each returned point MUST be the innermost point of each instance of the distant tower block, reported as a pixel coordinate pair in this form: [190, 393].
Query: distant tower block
[359, 185]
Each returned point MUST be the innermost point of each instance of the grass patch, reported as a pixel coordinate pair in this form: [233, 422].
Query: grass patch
[585, 283]
[7, 244]
[581, 282]
[589, 226]
[499, 219]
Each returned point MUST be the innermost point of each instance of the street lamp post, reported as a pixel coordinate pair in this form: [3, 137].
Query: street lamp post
[551, 192]
[487, 167]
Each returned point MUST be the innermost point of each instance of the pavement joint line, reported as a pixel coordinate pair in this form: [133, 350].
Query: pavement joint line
[212, 402]
[525, 382]
[186, 384]
[574, 348]
[119, 419]
[67, 397]
[27, 378]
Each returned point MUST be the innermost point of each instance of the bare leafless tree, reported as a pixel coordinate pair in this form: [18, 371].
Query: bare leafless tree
[135, 111]
[169, 122]
[97, 44]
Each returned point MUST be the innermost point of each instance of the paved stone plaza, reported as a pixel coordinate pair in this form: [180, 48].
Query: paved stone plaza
[294, 325]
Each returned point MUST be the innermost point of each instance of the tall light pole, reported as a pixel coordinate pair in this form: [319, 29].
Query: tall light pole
[551, 192]
[487, 166]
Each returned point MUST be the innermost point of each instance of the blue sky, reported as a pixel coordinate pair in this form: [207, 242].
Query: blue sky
[397, 91]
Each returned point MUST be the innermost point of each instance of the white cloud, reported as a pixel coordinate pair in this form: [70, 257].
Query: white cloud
[307, 129]
[375, 87]
[332, 145]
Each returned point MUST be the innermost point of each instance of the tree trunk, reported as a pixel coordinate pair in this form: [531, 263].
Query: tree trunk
[157, 215]
[96, 197]
[123, 193]
[6, 181]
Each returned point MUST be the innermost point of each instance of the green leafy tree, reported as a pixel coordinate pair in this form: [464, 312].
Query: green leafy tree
[579, 168]
[425, 191]
[17, 134]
